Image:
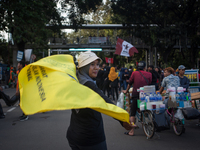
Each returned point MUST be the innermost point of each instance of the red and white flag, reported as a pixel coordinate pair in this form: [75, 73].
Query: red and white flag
[124, 48]
[109, 60]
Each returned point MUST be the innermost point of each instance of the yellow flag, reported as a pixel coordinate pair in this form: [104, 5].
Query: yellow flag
[51, 84]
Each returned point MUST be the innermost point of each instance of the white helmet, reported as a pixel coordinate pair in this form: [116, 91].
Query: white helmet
[86, 58]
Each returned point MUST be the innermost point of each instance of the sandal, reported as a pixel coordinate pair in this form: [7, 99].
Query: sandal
[137, 127]
[127, 133]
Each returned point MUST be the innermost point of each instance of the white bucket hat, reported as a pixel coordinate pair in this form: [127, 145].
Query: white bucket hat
[87, 57]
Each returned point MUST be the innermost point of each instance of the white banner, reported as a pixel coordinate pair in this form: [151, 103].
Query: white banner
[28, 53]
[97, 39]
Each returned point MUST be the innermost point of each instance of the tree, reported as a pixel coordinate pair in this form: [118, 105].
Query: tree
[3, 51]
[162, 23]
[27, 20]
[76, 10]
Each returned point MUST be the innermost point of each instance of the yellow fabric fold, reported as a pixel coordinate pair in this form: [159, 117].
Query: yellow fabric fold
[51, 84]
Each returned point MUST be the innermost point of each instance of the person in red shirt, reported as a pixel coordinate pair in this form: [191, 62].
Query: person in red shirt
[138, 79]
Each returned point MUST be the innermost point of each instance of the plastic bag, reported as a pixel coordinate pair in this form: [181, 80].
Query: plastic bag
[120, 101]
[179, 114]
[191, 113]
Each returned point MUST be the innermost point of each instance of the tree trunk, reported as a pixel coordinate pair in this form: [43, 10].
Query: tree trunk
[150, 56]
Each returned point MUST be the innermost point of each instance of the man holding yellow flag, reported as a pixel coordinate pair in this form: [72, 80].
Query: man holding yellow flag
[86, 130]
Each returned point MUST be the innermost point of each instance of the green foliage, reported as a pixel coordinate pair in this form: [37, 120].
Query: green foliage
[27, 21]
[162, 23]
[4, 53]
[34, 21]
[76, 10]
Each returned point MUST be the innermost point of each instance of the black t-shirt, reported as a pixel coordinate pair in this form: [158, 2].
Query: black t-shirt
[86, 125]
[155, 76]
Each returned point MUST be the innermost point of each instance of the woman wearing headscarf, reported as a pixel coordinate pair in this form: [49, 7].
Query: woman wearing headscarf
[86, 131]
[113, 78]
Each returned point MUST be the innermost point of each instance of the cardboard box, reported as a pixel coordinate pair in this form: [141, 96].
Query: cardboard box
[172, 104]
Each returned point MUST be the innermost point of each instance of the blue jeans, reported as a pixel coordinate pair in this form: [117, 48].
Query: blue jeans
[121, 84]
[125, 84]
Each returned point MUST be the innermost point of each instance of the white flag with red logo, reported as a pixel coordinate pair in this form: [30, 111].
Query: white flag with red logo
[109, 60]
[124, 48]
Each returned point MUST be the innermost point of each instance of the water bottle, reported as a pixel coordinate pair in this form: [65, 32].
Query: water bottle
[189, 96]
[177, 97]
[155, 97]
[142, 98]
[181, 97]
[146, 98]
[151, 98]
[159, 97]
[184, 96]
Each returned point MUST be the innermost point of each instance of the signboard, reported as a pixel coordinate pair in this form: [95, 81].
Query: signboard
[192, 75]
[33, 57]
[97, 40]
[20, 55]
[1, 73]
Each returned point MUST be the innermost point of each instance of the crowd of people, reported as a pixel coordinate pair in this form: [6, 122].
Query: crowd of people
[112, 80]
[86, 125]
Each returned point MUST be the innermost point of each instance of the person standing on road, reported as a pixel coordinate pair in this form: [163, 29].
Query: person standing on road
[7, 100]
[121, 72]
[125, 78]
[113, 77]
[160, 76]
[100, 78]
[130, 71]
[155, 76]
[184, 81]
[2, 116]
[20, 66]
[106, 82]
[138, 79]
[86, 131]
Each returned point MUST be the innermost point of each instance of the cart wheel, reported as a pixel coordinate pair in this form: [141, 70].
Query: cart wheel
[148, 125]
[178, 127]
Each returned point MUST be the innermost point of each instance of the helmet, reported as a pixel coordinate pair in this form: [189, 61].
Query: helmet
[86, 58]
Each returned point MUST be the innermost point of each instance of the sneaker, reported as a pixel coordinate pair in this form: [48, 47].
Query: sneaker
[24, 118]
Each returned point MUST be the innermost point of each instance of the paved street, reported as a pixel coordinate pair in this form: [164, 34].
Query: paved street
[47, 131]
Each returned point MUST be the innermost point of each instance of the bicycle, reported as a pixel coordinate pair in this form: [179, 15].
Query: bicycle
[147, 121]
[177, 124]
